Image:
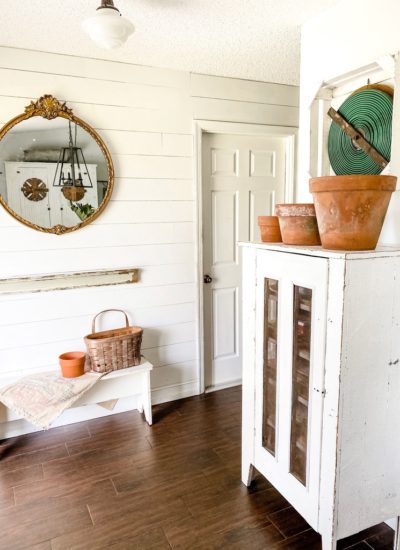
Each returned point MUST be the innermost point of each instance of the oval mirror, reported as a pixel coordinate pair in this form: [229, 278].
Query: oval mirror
[56, 174]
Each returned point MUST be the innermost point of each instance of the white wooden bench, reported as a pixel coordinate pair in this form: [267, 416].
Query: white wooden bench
[119, 384]
[123, 383]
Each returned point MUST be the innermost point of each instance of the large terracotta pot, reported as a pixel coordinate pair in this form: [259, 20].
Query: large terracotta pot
[351, 209]
[269, 229]
[298, 224]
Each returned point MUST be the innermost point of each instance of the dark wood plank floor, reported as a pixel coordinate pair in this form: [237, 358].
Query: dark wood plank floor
[115, 483]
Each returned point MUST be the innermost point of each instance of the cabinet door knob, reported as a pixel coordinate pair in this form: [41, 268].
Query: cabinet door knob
[207, 279]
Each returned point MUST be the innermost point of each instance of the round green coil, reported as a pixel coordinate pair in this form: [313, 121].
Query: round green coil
[370, 112]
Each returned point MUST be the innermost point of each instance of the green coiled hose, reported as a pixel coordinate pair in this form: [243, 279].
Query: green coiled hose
[370, 112]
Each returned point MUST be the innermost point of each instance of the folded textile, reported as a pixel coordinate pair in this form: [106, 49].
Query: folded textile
[41, 398]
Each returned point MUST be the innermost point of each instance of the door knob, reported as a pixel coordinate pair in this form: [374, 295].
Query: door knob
[207, 279]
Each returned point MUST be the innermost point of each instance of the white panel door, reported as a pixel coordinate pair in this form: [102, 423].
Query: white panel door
[297, 371]
[243, 177]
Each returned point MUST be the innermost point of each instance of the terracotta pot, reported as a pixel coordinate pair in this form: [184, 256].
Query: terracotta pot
[269, 229]
[351, 209]
[73, 193]
[72, 364]
[298, 224]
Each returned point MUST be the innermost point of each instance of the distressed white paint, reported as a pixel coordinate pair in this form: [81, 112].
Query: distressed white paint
[355, 326]
[145, 116]
[68, 280]
[290, 270]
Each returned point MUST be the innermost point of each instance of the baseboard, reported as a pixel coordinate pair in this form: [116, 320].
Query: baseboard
[172, 393]
[224, 385]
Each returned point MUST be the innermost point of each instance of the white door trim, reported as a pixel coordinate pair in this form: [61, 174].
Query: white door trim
[213, 127]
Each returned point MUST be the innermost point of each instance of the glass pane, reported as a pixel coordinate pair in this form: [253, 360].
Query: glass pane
[301, 381]
[269, 370]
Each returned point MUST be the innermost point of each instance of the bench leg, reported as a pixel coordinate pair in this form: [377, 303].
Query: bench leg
[146, 399]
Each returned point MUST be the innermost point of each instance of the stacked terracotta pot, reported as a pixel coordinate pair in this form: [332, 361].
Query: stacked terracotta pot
[348, 214]
[294, 224]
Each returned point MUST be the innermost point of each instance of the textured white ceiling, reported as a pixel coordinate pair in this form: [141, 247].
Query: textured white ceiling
[254, 39]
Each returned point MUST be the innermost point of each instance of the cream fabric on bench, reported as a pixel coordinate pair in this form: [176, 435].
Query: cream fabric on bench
[41, 398]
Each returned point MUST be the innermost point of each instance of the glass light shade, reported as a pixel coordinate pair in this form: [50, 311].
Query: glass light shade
[108, 29]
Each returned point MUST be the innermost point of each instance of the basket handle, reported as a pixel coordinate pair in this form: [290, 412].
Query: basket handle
[105, 311]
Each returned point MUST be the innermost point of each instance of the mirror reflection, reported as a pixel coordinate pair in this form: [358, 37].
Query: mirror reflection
[52, 172]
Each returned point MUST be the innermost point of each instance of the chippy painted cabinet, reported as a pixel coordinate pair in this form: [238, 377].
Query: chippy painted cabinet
[321, 382]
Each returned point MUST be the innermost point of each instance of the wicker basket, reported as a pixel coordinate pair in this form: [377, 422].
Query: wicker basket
[114, 349]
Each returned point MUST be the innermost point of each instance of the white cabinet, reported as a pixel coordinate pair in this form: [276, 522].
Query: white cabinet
[54, 209]
[321, 382]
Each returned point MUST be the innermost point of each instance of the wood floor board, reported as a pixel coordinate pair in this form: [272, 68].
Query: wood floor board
[45, 545]
[115, 483]
[11, 461]
[43, 439]
[73, 488]
[382, 538]
[109, 440]
[207, 536]
[14, 478]
[6, 498]
[176, 485]
[289, 522]
[40, 527]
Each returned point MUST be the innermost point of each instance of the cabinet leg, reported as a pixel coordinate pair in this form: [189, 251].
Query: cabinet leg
[396, 545]
[247, 474]
[328, 541]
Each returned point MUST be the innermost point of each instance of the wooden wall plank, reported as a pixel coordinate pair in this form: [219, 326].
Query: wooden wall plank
[147, 189]
[45, 352]
[56, 330]
[110, 117]
[255, 113]
[148, 143]
[148, 211]
[68, 65]
[177, 144]
[150, 166]
[19, 238]
[170, 375]
[93, 91]
[60, 305]
[14, 264]
[243, 90]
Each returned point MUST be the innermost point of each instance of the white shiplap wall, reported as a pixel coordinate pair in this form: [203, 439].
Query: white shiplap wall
[145, 116]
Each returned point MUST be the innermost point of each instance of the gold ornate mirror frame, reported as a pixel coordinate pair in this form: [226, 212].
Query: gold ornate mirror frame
[49, 107]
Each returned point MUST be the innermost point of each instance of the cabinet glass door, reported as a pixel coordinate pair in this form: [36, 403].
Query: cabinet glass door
[271, 291]
[302, 310]
[290, 319]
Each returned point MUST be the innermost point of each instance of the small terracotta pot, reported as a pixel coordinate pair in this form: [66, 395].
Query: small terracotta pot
[72, 364]
[298, 224]
[351, 209]
[269, 229]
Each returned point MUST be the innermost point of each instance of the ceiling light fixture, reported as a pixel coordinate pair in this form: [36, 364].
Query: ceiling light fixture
[107, 28]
